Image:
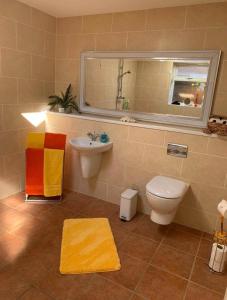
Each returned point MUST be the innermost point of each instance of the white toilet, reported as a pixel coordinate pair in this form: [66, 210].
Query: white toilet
[164, 194]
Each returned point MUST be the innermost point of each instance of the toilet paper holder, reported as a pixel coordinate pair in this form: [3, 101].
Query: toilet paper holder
[218, 256]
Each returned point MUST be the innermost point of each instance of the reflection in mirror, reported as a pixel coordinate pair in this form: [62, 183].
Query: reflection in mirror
[163, 86]
[170, 87]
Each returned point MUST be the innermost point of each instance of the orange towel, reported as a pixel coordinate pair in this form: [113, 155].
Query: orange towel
[55, 141]
[34, 171]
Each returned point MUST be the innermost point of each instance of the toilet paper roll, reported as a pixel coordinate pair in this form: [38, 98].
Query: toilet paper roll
[222, 208]
[218, 257]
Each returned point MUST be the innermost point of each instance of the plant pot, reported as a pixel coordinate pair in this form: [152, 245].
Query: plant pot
[61, 109]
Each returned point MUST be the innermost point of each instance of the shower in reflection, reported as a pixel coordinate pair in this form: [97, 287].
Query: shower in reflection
[120, 103]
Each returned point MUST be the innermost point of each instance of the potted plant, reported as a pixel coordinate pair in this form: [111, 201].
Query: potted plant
[65, 103]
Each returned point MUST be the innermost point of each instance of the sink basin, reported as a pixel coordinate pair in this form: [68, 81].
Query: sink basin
[90, 154]
[87, 146]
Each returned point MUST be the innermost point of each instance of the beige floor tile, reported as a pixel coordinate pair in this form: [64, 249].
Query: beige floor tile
[203, 276]
[130, 273]
[195, 292]
[183, 241]
[174, 261]
[159, 285]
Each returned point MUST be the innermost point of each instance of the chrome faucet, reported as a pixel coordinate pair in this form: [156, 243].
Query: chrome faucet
[93, 136]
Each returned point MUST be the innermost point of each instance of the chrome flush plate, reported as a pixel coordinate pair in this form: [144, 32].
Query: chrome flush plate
[177, 150]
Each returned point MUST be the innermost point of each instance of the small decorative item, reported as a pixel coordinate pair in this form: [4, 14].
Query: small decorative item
[217, 125]
[104, 138]
[125, 105]
[127, 119]
[65, 103]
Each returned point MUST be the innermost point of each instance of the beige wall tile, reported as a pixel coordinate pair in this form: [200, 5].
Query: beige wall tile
[197, 219]
[7, 33]
[49, 89]
[207, 15]
[79, 43]
[69, 25]
[129, 153]
[31, 91]
[50, 47]
[222, 87]
[9, 142]
[62, 46]
[207, 198]
[137, 178]
[192, 196]
[58, 122]
[43, 21]
[219, 105]
[97, 23]
[43, 68]
[8, 90]
[62, 85]
[72, 171]
[67, 70]
[183, 40]
[111, 171]
[216, 39]
[114, 194]
[94, 188]
[205, 169]
[156, 160]
[145, 41]
[13, 164]
[12, 118]
[195, 143]
[111, 41]
[16, 10]
[9, 186]
[218, 146]
[30, 39]
[115, 132]
[166, 18]
[129, 21]
[15, 63]
[147, 136]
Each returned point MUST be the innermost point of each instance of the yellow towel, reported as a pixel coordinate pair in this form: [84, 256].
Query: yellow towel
[53, 172]
[88, 246]
[35, 140]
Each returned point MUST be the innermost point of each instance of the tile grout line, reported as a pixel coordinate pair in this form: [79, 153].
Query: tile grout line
[113, 282]
[208, 289]
[149, 264]
[192, 269]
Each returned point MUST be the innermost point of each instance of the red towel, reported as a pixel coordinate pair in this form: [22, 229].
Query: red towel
[34, 171]
[55, 141]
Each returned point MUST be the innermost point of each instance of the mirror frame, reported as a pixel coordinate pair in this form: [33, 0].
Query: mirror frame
[212, 55]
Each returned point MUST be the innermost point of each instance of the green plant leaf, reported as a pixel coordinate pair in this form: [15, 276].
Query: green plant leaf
[66, 100]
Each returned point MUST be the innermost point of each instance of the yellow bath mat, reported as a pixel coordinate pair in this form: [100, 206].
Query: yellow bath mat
[88, 246]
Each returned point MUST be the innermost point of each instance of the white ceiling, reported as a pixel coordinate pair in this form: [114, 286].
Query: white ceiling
[67, 8]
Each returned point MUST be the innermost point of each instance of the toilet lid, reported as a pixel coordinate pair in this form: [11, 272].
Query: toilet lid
[166, 187]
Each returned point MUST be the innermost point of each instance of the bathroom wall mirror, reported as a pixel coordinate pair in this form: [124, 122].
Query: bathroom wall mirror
[165, 87]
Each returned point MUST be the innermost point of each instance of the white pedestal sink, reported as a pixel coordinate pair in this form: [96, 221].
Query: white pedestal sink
[90, 154]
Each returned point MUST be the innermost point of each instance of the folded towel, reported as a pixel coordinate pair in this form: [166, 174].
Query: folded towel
[35, 140]
[53, 172]
[34, 171]
[54, 141]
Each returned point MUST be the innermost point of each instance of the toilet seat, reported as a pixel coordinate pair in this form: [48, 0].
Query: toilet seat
[166, 187]
[159, 197]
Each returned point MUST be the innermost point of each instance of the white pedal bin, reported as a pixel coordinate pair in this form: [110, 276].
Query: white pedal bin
[128, 204]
